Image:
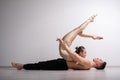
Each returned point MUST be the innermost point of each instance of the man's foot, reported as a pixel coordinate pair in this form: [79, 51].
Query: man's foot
[92, 18]
[17, 65]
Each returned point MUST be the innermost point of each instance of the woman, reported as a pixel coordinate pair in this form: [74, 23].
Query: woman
[70, 59]
[69, 37]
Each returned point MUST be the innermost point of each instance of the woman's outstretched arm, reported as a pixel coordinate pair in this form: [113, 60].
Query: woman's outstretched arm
[72, 54]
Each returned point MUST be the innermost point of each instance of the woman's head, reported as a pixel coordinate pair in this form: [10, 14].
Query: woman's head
[81, 51]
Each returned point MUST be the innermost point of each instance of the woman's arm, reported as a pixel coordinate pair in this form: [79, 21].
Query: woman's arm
[73, 55]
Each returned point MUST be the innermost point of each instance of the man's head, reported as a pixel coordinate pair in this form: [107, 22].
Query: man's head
[81, 51]
[100, 64]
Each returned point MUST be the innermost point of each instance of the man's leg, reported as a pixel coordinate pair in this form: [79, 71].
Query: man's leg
[55, 64]
[69, 37]
[18, 66]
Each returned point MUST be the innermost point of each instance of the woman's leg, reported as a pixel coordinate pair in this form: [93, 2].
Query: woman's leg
[69, 37]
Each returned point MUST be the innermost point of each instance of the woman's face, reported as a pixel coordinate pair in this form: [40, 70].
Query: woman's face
[83, 54]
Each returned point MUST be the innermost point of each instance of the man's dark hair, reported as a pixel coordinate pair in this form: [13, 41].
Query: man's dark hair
[79, 49]
[102, 66]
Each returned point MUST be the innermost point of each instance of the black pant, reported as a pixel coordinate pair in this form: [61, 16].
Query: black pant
[56, 64]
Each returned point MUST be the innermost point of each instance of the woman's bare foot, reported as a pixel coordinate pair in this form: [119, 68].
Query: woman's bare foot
[17, 65]
[92, 18]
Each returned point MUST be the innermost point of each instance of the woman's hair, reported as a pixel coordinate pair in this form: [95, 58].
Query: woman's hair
[79, 49]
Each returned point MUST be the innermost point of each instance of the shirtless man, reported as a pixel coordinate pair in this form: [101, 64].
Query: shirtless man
[71, 59]
[78, 62]
[61, 64]
[82, 63]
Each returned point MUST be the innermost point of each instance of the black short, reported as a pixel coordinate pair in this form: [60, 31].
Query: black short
[56, 64]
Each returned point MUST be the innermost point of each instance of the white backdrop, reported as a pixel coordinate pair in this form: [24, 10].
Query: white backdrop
[29, 28]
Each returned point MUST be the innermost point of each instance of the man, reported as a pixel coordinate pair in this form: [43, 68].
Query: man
[78, 63]
[70, 60]
[82, 63]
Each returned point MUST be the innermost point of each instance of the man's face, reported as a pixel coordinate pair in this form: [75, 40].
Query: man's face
[98, 61]
[83, 54]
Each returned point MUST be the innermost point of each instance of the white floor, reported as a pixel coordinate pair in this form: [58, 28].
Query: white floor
[110, 73]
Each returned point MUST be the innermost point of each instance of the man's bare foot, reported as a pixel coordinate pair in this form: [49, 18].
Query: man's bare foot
[92, 18]
[17, 65]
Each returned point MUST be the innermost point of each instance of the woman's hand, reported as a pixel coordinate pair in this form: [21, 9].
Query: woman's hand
[61, 42]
